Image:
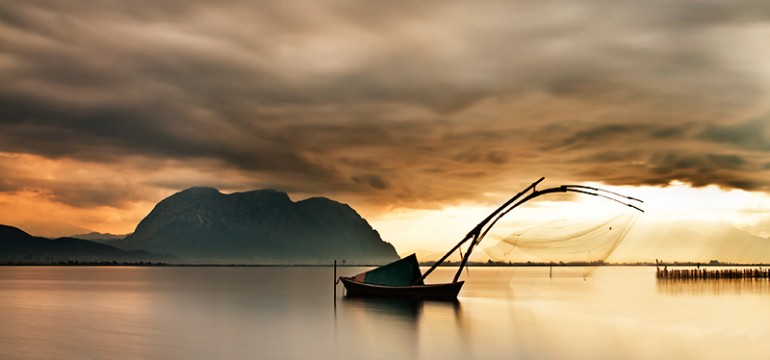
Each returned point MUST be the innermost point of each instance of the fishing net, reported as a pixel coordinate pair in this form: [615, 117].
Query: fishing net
[569, 240]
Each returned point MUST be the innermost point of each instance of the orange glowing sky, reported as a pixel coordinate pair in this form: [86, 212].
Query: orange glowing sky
[413, 113]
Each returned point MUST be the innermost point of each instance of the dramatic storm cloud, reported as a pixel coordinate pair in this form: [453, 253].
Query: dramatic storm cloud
[394, 104]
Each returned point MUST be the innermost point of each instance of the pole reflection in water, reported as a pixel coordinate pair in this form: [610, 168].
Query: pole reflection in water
[714, 286]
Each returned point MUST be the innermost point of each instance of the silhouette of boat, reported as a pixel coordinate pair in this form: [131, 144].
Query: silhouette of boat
[403, 278]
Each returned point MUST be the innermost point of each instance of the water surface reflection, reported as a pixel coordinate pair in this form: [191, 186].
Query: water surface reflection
[290, 313]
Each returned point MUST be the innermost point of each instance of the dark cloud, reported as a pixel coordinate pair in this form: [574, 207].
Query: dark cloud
[706, 164]
[610, 156]
[711, 14]
[751, 135]
[475, 156]
[394, 103]
[598, 134]
[698, 169]
[373, 181]
[672, 132]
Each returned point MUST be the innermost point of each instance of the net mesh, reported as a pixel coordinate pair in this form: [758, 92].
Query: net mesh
[569, 240]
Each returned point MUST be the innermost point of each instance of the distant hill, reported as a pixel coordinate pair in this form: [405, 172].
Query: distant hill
[693, 241]
[18, 246]
[262, 226]
[100, 237]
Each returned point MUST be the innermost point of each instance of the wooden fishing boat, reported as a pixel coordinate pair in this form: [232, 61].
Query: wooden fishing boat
[404, 279]
[399, 279]
[445, 291]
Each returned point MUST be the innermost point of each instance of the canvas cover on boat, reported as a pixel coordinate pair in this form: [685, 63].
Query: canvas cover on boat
[403, 272]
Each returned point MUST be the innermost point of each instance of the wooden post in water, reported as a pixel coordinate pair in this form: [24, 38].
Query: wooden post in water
[335, 282]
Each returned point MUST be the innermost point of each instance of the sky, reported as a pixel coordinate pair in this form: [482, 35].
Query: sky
[411, 112]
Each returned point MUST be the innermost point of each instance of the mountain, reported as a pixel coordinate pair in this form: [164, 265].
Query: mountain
[262, 226]
[18, 246]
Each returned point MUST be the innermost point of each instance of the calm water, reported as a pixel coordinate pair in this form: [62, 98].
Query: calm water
[289, 313]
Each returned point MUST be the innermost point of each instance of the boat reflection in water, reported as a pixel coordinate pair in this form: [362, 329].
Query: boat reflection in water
[392, 328]
[408, 309]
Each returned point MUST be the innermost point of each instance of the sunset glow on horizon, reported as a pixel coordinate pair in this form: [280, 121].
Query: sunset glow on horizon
[439, 229]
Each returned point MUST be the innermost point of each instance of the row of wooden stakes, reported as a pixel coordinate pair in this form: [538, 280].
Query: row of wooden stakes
[704, 274]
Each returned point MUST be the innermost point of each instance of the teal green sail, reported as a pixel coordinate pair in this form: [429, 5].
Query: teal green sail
[403, 272]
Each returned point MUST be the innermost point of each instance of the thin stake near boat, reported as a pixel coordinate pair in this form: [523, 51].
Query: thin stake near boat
[403, 278]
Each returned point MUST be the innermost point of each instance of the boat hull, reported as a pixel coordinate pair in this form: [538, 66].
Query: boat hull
[446, 291]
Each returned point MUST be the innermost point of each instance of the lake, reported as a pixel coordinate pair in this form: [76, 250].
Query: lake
[290, 313]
